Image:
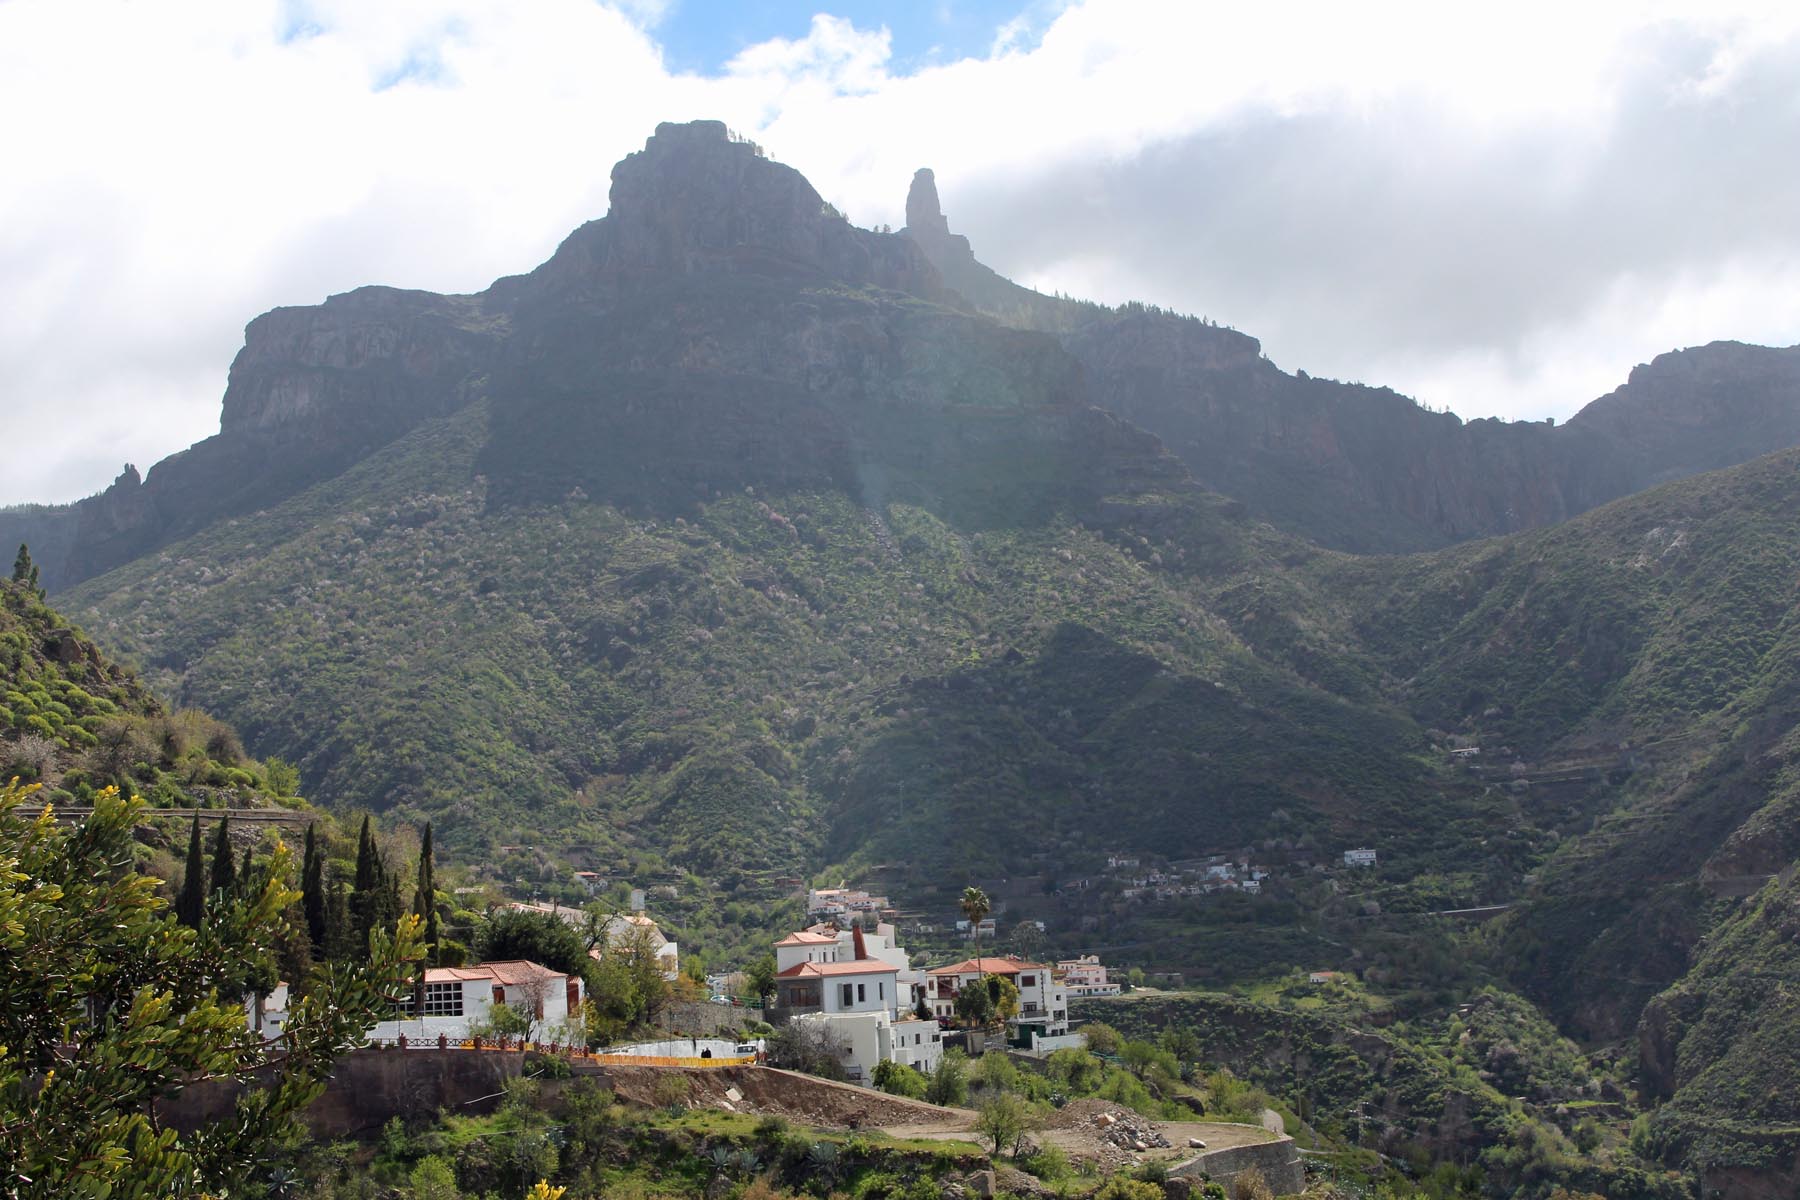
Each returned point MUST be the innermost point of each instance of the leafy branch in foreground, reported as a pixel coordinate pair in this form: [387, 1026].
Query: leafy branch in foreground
[108, 1004]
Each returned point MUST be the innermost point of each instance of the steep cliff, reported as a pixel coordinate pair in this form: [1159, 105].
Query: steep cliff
[1367, 470]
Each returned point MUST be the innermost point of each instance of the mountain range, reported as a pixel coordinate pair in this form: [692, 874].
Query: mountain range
[736, 543]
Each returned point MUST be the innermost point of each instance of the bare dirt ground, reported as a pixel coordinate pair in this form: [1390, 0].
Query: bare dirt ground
[1096, 1131]
[1107, 1134]
[803, 1098]
[1078, 1131]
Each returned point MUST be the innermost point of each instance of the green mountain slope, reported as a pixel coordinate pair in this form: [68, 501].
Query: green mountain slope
[75, 722]
[1637, 664]
[1723, 1046]
[772, 681]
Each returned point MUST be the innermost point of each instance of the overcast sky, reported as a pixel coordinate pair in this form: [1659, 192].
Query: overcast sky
[1497, 210]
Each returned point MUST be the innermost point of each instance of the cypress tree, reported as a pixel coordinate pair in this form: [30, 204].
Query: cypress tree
[340, 933]
[224, 869]
[25, 571]
[190, 902]
[245, 883]
[368, 891]
[425, 898]
[312, 892]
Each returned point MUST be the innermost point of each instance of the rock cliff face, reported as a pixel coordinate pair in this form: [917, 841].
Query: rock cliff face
[1365, 469]
[724, 313]
[721, 326]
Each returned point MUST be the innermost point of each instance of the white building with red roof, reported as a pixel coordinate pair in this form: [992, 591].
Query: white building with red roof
[856, 997]
[454, 999]
[1043, 1001]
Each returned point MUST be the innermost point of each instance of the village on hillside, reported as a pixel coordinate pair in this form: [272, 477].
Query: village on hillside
[844, 983]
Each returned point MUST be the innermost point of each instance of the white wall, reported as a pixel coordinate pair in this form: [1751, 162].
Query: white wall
[868, 993]
[686, 1048]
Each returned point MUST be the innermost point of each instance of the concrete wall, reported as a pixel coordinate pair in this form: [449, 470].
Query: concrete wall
[1042, 1046]
[685, 1048]
[1279, 1162]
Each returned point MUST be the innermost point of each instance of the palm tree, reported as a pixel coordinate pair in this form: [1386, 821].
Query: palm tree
[976, 907]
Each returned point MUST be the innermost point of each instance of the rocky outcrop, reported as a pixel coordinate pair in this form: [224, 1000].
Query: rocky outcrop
[698, 201]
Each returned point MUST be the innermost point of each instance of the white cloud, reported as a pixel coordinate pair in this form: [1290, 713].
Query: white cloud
[1500, 211]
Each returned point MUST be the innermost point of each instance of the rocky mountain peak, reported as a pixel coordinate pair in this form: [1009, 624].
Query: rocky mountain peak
[923, 211]
[698, 198]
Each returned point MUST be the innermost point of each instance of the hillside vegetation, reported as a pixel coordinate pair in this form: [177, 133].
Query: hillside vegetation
[73, 720]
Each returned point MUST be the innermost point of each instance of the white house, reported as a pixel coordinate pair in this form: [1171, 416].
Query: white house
[617, 929]
[1359, 858]
[825, 943]
[1086, 976]
[850, 984]
[867, 1038]
[620, 928]
[267, 1014]
[1043, 1001]
[843, 903]
[456, 998]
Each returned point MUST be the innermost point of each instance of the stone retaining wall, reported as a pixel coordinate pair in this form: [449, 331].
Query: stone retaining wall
[368, 1087]
[1279, 1162]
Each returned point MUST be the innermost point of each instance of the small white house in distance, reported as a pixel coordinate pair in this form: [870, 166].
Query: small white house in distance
[617, 929]
[1359, 858]
[267, 1014]
[1086, 976]
[457, 997]
[621, 928]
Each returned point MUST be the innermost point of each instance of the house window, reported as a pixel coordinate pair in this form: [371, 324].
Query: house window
[443, 1000]
[881, 989]
[1028, 981]
[862, 992]
[847, 993]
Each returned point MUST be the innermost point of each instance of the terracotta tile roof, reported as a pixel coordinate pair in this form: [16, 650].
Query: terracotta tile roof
[807, 937]
[988, 966]
[509, 972]
[860, 966]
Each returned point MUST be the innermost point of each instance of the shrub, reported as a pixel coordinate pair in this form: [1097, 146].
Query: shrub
[1048, 1163]
[672, 1091]
[900, 1080]
[433, 1178]
[1249, 1184]
[1120, 1187]
[950, 1082]
[1100, 1037]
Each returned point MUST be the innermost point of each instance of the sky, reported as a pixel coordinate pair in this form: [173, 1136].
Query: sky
[1496, 209]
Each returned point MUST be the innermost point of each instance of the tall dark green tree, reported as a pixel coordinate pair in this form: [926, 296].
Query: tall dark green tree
[246, 867]
[25, 571]
[190, 902]
[224, 867]
[312, 892]
[340, 928]
[424, 904]
[368, 891]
